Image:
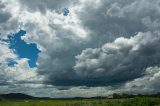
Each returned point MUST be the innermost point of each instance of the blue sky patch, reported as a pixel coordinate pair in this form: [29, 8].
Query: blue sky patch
[11, 62]
[22, 49]
[65, 11]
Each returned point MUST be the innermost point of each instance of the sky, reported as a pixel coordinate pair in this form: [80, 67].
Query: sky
[79, 48]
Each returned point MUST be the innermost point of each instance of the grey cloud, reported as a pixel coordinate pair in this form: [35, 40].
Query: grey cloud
[43, 5]
[4, 16]
[7, 23]
[108, 22]
[56, 63]
[148, 83]
[119, 61]
[139, 85]
[117, 18]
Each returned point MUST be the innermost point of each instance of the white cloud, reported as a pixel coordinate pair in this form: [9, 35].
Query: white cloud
[6, 53]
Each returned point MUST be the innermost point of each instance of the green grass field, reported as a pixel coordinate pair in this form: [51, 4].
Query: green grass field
[137, 101]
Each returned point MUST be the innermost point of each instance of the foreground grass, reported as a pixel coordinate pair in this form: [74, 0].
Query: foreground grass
[137, 101]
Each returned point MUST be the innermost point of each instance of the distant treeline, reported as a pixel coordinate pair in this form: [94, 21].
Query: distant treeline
[115, 95]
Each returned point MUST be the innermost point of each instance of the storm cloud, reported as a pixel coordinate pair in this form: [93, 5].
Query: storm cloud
[98, 70]
[100, 44]
[122, 60]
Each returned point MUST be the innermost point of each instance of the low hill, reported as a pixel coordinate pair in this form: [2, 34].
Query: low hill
[16, 96]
